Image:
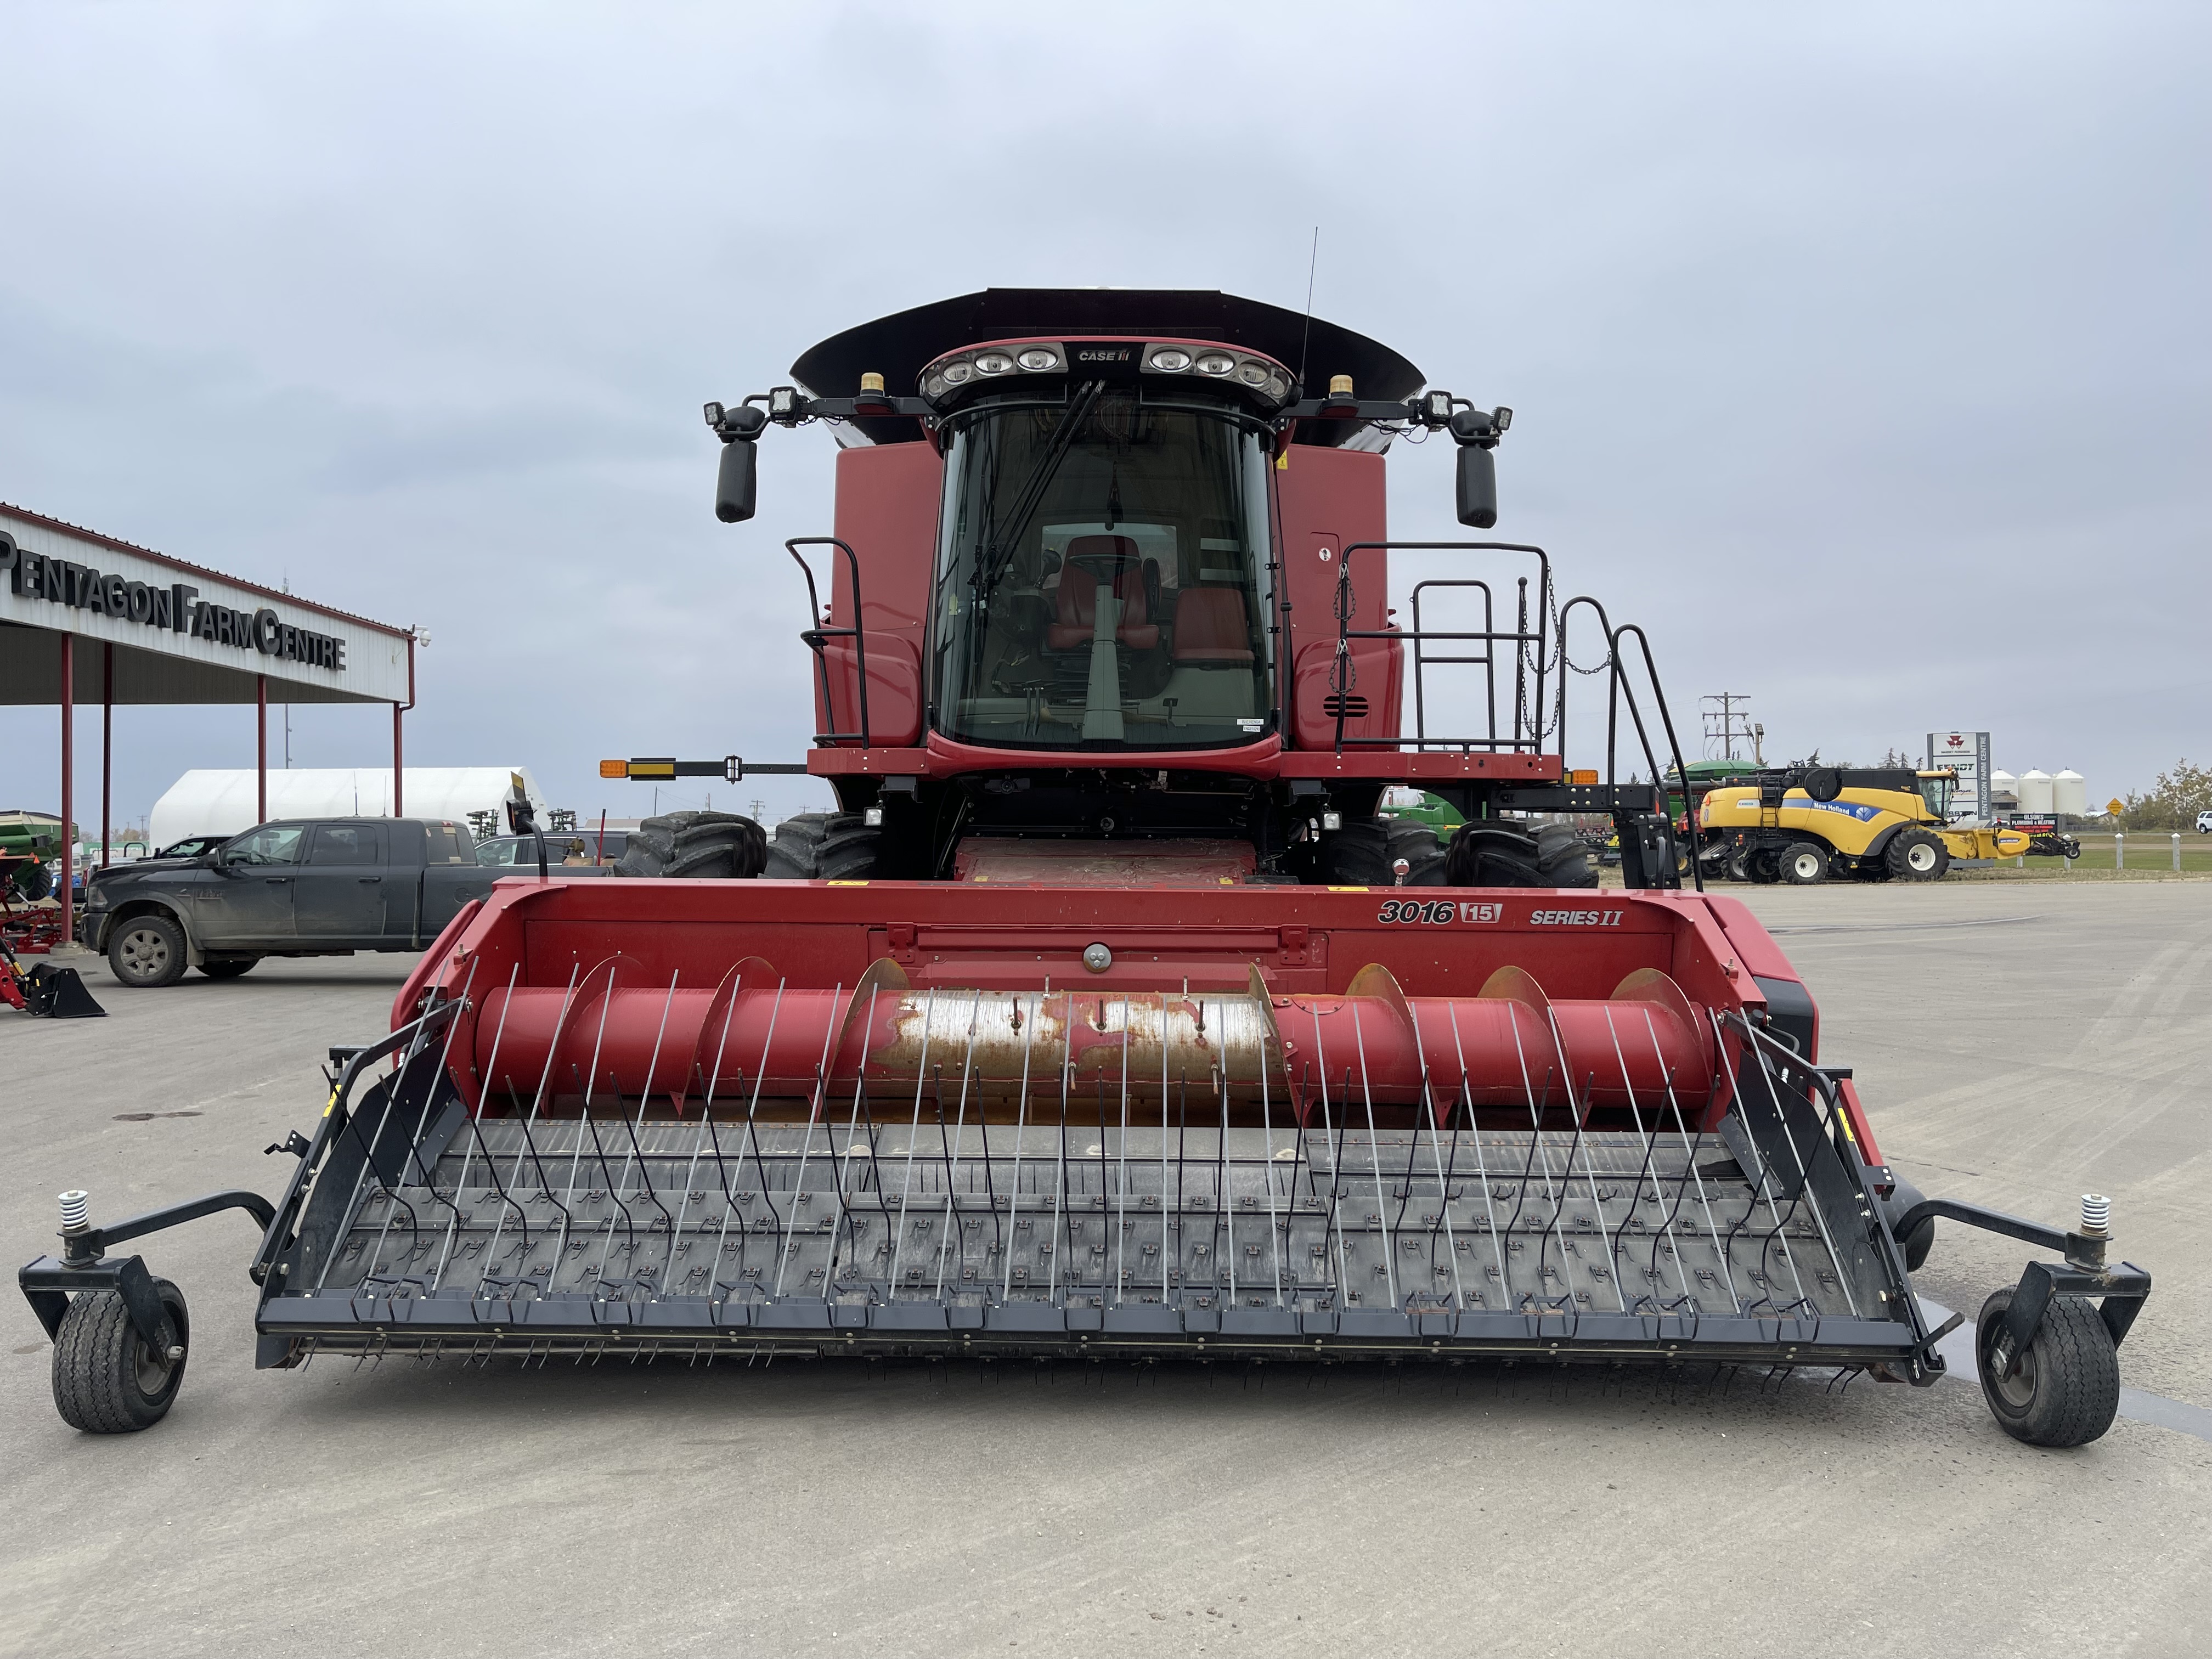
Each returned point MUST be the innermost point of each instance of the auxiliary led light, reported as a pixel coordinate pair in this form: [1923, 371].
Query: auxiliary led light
[993, 363]
[1171, 359]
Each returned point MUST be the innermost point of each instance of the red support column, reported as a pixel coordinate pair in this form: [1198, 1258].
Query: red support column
[106, 747]
[68, 785]
[261, 749]
[399, 766]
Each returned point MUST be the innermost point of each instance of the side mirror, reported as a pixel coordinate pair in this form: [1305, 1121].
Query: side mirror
[736, 483]
[1477, 486]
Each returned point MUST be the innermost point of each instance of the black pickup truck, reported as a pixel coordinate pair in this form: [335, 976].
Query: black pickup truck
[295, 888]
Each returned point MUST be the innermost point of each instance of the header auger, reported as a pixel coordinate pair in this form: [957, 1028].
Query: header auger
[1105, 1016]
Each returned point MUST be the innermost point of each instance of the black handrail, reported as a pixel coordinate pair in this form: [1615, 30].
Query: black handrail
[1340, 671]
[815, 637]
[1488, 660]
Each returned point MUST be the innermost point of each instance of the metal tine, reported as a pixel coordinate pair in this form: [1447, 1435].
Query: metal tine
[492, 1069]
[1335, 1169]
[1060, 1193]
[1223, 1201]
[839, 1162]
[529, 1122]
[1163, 1145]
[912, 1134]
[361, 1179]
[508, 1201]
[1804, 1186]
[753, 1132]
[637, 1150]
[806, 1147]
[1481, 1166]
[1536, 1150]
[1374, 1162]
[415, 1146]
[1443, 1177]
[714, 1139]
[1760, 1189]
[1650, 1147]
[1121, 1175]
[1267, 1164]
[1021, 1123]
[699, 1145]
[1581, 1143]
[1690, 1172]
[953, 1222]
[591, 1082]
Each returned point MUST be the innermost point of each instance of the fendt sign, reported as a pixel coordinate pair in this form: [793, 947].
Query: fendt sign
[175, 606]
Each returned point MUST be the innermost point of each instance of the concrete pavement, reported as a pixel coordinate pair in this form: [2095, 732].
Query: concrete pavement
[2015, 1047]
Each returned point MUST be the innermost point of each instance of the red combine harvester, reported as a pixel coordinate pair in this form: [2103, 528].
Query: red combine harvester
[1106, 1017]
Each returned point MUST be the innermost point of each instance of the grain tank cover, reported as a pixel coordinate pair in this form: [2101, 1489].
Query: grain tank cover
[898, 346]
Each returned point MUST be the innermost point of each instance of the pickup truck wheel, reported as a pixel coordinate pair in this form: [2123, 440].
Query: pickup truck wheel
[147, 952]
[1804, 863]
[228, 967]
[1916, 855]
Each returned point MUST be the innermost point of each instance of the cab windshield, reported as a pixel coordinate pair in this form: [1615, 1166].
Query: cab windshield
[1101, 578]
[1936, 792]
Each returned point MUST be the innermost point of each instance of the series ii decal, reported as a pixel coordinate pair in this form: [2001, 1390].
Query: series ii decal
[1575, 918]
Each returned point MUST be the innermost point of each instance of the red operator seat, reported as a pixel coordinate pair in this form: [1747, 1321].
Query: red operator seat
[1210, 627]
[1076, 608]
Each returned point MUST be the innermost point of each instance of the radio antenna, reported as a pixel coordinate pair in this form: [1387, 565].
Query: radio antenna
[1313, 262]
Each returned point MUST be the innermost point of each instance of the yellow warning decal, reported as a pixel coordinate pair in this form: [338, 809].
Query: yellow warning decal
[847, 884]
[330, 1105]
[1349, 890]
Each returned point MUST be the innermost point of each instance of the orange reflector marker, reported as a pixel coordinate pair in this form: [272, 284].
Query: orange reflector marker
[1589, 776]
[614, 769]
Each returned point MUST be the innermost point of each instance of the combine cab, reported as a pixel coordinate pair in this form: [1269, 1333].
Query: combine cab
[1106, 1017]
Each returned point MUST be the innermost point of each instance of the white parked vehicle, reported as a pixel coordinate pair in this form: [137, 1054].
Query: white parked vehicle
[2204, 824]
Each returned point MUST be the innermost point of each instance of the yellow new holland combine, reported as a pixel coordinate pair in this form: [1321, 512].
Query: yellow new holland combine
[1806, 826]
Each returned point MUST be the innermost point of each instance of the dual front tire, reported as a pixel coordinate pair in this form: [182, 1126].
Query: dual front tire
[699, 846]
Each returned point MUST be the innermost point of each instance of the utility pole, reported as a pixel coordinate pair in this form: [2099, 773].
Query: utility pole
[1727, 722]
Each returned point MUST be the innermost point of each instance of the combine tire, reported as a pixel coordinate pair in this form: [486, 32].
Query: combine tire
[1498, 855]
[1363, 855]
[228, 966]
[2063, 1389]
[824, 847]
[1804, 864]
[1916, 855]
[146, 952]
[1760, 868]
[108, 1378]
[698, 846]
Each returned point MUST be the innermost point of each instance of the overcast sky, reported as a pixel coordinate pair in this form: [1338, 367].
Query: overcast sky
[1859, 351]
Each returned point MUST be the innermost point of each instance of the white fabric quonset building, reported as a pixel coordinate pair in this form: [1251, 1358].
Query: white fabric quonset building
[220, 803]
